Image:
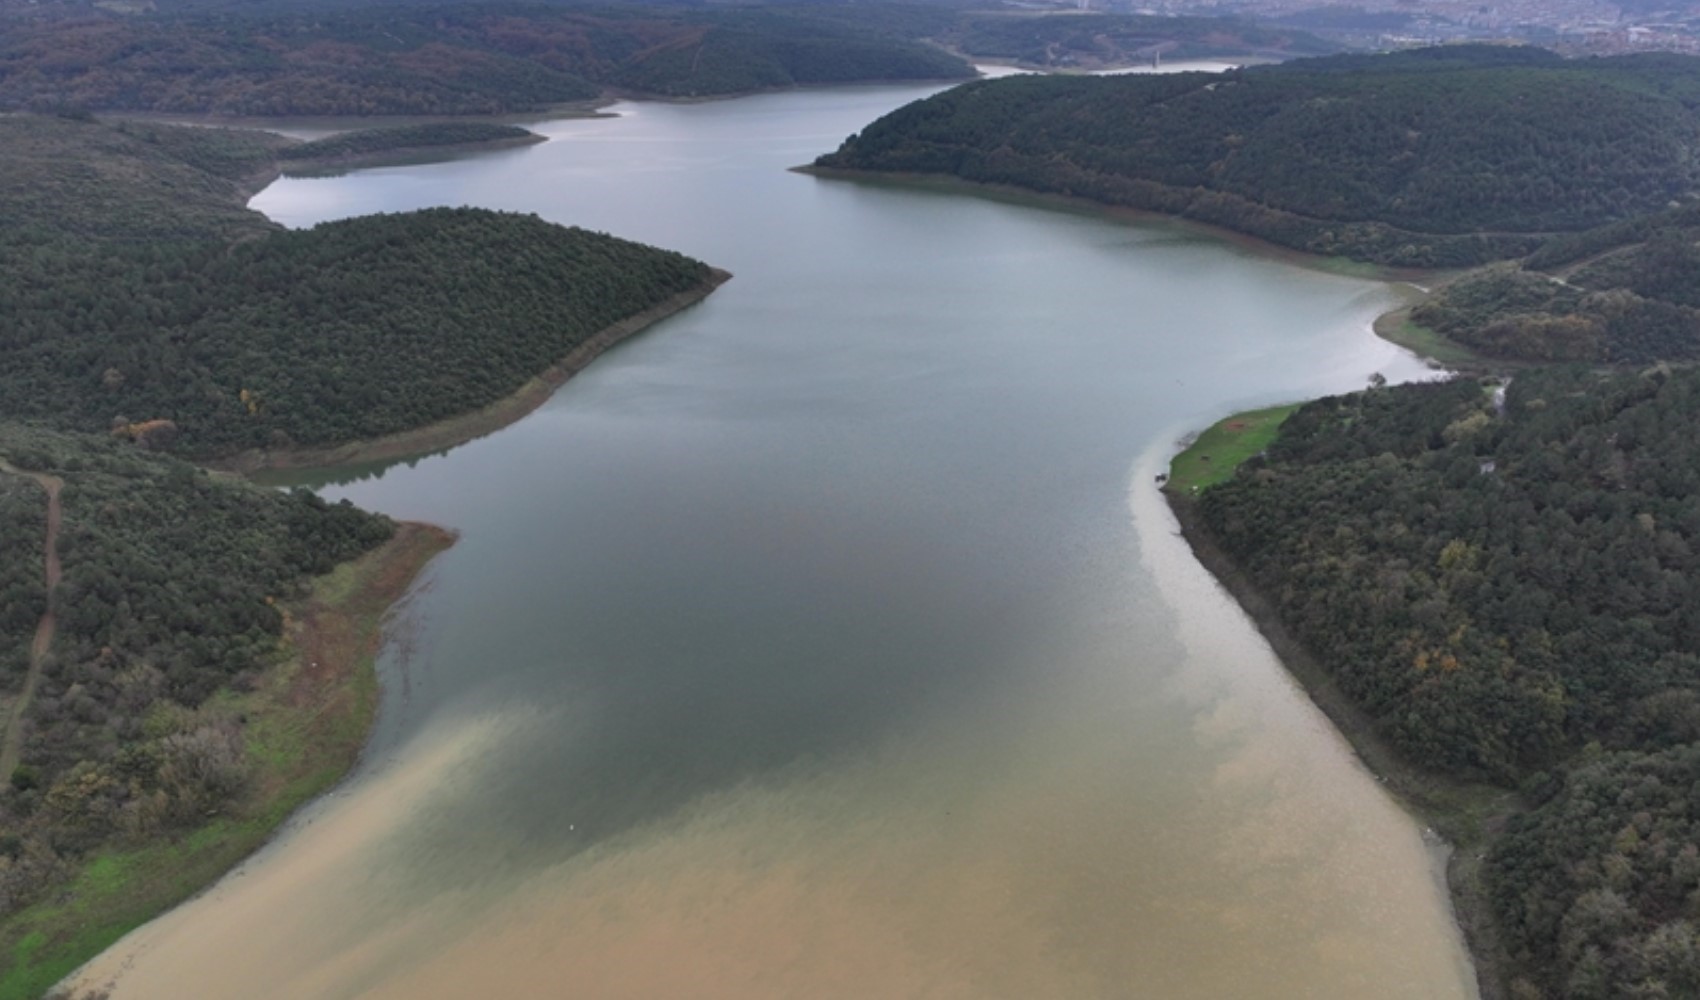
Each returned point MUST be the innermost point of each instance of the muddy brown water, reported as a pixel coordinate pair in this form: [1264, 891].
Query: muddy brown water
[830, 639]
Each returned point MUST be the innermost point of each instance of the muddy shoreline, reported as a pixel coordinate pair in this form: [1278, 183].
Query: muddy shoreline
[322, 693]
[1463, 816]
[1076, 203]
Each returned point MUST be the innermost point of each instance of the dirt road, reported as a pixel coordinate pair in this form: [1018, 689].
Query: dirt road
[44, 629]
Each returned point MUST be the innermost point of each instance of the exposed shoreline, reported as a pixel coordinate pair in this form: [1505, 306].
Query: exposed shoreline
[1422, 793]
[1392, 326]
[330, 678]
[470, 426]
[312, 711]
[1080, 203]
[1463, 816]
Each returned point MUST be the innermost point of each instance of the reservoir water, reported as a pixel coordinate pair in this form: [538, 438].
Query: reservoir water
[830, 639]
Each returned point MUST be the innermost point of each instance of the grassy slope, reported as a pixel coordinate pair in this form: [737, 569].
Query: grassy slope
[1224, 446]
[305, 730]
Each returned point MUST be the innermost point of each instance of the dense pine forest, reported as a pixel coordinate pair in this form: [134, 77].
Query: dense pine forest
[145, 321]
[439, 59]
[1506, 585]
[1430, 158]
[347, 331]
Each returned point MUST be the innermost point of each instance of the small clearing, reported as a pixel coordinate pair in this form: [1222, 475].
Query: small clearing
[1220, 449]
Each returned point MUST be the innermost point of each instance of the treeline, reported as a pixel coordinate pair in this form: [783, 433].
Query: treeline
[129, 311]
[1625, 293]
[282, 58]
[403, 138]
[174, 587]
[1508, 588]
[440, 59]
[1431, 158]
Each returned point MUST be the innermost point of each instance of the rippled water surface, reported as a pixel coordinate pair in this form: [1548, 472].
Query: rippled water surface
[830, 639]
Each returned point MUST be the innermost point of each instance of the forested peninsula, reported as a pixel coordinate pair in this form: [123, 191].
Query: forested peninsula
[395, 143]
[135, 313]
[1495, 588]
[1430, 158]
[184, 657]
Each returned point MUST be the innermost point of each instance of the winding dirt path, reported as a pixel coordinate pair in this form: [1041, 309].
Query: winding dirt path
[44, 629]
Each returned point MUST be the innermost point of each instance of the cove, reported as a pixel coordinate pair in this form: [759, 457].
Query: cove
[830, 639]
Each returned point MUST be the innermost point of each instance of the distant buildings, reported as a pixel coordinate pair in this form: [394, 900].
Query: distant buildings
[1577, 27]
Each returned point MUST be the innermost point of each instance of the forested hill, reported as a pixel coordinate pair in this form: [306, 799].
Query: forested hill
[347, 331]
[1441, 157]
[67, 179]
[282, 57]
[1510, 590]
[437, 59]
[141, 299]
[1626, 293]
[141, 302]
